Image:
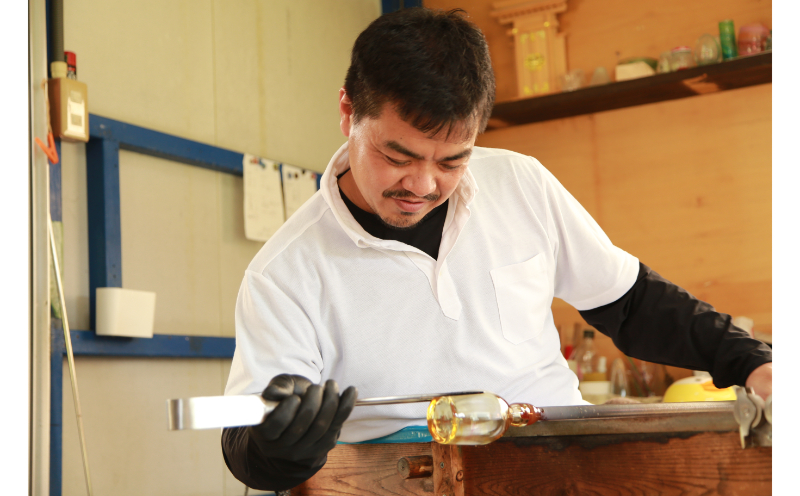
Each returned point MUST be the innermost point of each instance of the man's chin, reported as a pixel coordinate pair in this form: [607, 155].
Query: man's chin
[403, 222]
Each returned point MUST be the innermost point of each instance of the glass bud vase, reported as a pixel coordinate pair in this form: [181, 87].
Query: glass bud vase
[476, 418]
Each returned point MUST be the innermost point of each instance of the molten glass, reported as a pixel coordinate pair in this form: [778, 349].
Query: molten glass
[476, 418]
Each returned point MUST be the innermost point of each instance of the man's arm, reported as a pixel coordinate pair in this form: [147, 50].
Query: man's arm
[660, 322]
[293, 442]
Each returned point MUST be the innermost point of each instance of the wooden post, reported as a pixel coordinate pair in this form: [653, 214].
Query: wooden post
[448, 473]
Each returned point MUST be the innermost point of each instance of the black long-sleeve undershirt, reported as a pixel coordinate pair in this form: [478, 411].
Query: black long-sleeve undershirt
[660, 322]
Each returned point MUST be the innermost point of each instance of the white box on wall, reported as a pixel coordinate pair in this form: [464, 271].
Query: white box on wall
[125, 312]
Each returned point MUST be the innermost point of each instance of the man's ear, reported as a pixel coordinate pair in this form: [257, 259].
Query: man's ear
[345, 112]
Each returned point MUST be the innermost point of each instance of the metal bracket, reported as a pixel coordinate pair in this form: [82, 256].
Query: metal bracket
[754, 417]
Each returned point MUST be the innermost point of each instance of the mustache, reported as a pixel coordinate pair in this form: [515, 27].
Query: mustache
[401, 194]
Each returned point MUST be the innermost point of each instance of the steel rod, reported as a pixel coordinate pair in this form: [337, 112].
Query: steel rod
[70, 358]
[633, 410]
[415, 398]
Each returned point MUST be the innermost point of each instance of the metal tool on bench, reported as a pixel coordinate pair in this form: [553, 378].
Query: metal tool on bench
[209, 412]
[751, 413]
[754, 416]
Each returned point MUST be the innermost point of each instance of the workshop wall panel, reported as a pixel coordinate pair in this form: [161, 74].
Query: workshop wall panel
[235, 251]
[239, 100]
[687, 187]
[147, 62]
[303, 58]
[170, 241]
[131, 452]
[76, 239]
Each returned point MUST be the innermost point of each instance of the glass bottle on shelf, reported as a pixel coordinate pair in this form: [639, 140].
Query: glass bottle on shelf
[476, 418]
[599, 370]
[619, 378]
[584, 355]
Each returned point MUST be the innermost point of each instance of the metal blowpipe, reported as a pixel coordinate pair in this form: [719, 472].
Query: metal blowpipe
[210, 412]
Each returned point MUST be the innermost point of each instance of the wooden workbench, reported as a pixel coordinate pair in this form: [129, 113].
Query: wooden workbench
[688, 455]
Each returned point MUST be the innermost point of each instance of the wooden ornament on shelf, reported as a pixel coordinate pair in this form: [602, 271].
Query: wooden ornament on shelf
[539, 49]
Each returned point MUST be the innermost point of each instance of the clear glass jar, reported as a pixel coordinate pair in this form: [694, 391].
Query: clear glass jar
[476, 419]
[682, 58]
[707, 50]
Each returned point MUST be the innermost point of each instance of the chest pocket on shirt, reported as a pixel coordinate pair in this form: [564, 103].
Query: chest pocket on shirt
[523, 298]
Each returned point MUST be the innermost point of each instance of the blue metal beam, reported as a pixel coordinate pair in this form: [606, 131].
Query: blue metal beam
[149, 142]
[102, 198]
[55, 185]
[56, 350]
[56, 397]
[388, 6]
[87, 343]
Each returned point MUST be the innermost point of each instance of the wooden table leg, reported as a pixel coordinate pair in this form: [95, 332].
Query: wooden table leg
[448, 473]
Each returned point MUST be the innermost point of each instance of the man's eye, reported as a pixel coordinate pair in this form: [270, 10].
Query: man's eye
[395, 162]
[450, 166]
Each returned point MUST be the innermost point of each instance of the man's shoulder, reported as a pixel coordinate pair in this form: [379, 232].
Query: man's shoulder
[484, 153]
[300, 230]
[499, 163]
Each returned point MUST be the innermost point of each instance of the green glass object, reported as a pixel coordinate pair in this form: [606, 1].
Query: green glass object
[727, 39]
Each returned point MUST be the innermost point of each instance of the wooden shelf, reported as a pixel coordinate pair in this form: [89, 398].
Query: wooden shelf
[737, 73]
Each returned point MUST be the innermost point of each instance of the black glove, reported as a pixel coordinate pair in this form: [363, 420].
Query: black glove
[306, 423]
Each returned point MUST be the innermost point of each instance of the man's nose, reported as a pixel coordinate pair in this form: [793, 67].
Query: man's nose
[420, 181]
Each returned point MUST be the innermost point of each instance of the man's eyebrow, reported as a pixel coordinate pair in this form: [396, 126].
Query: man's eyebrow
[394, 145]
[464, 154]
[405, 151]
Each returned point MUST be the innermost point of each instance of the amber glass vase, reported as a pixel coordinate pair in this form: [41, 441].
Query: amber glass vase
[476, 418]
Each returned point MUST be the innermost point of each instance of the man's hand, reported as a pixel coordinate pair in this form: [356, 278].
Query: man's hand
[761, 380]
[306, 423]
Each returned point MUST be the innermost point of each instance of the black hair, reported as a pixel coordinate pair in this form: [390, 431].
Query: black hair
[433, 66]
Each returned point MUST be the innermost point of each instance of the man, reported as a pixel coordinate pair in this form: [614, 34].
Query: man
[425, 264]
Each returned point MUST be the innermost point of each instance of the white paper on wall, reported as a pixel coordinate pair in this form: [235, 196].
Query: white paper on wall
[263, 201]
[298, 186]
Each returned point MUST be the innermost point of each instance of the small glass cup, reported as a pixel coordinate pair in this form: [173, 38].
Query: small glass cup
[681, 58]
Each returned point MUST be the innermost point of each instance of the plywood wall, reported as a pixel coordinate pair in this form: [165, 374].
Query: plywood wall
[683, 185]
